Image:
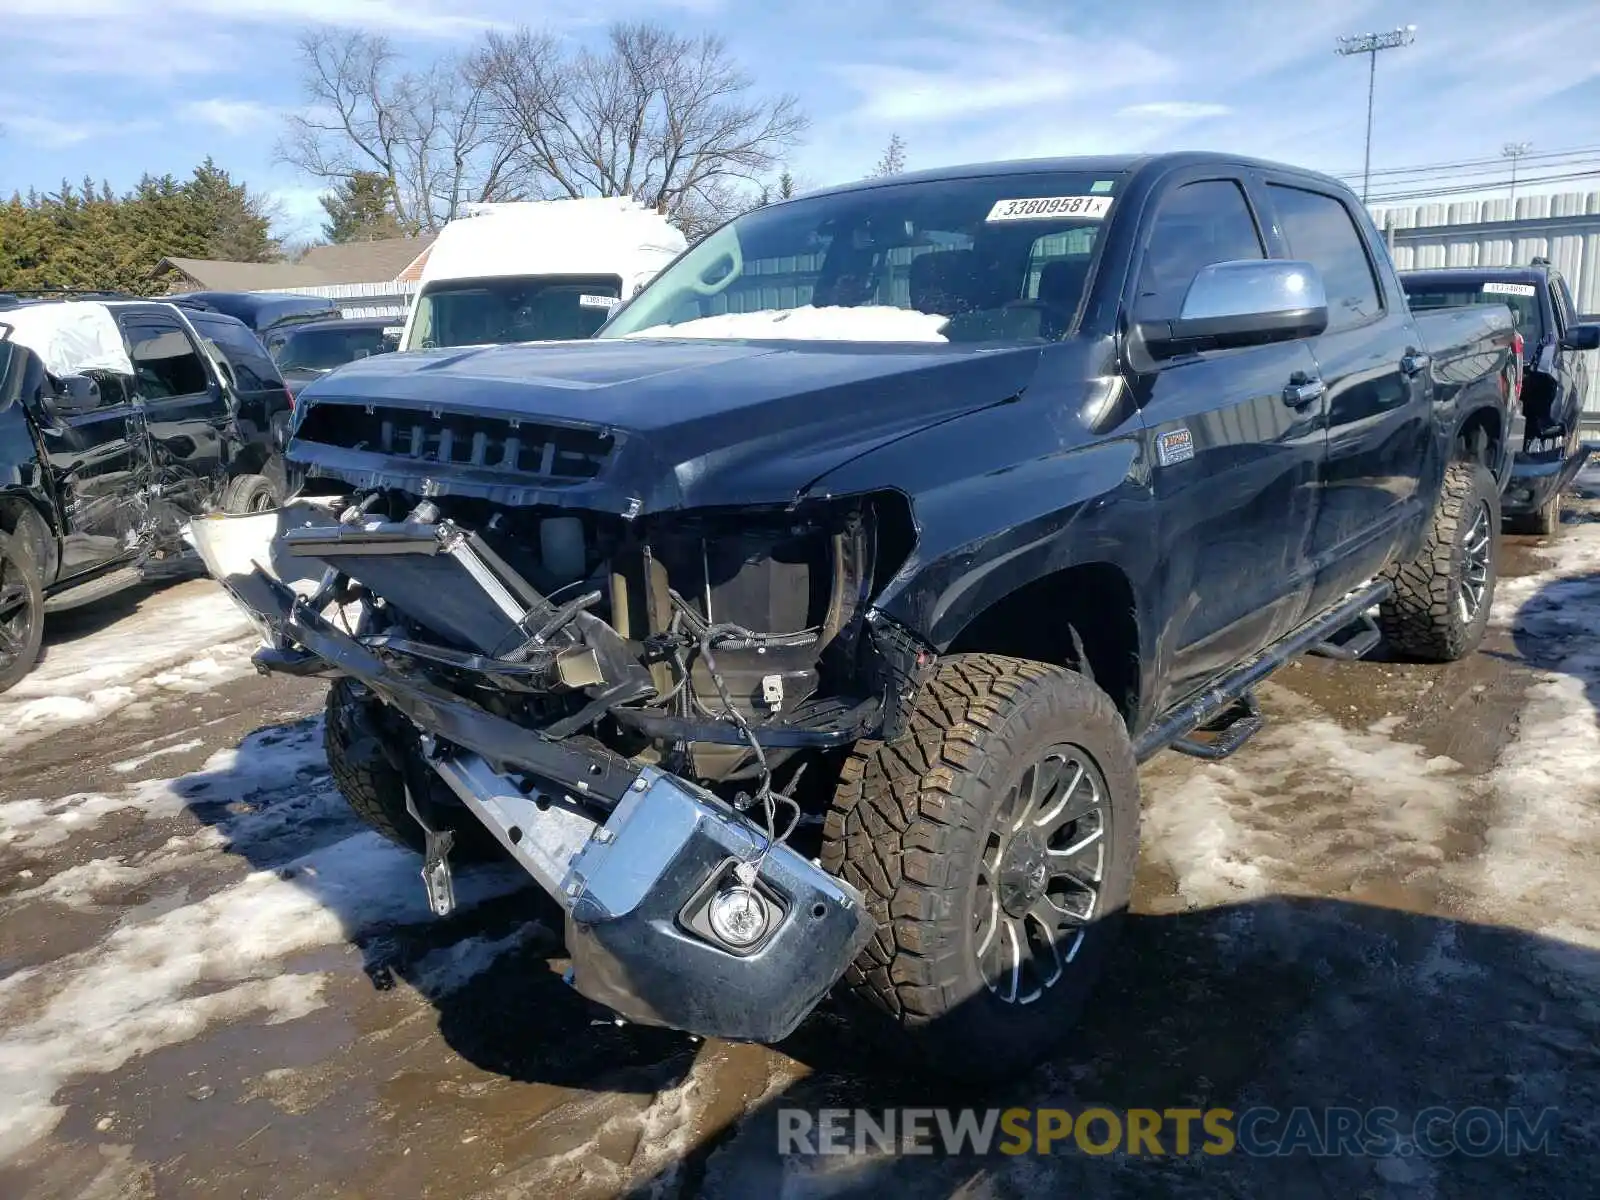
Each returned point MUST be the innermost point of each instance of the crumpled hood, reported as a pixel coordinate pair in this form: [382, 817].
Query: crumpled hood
[696, 422]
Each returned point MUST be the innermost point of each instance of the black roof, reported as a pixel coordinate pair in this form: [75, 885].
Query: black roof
[351, 323]
[1527, 273]
[259, 310]
[1097, 164]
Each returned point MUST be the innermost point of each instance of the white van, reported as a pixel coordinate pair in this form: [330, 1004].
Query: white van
[535, 271]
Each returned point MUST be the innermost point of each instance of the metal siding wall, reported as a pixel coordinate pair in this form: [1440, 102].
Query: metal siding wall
[1424, 238]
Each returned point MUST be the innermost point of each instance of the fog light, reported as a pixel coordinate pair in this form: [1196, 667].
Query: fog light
[738, 916]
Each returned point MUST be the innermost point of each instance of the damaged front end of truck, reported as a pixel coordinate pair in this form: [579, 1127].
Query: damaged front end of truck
[623, 698]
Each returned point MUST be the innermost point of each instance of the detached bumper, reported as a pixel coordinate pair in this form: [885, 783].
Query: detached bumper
[648, 866]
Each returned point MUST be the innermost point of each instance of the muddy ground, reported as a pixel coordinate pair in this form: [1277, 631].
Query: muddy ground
[214, 982]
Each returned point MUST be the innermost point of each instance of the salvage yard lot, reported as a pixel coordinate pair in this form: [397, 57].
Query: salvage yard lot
[215, 982]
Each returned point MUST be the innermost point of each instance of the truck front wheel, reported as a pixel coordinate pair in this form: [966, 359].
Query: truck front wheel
[995, 845]
[373, 787]
[1441, 601]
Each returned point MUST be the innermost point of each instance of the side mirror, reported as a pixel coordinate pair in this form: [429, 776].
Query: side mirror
[1582, 337]
[1250, 302]
[77, 394]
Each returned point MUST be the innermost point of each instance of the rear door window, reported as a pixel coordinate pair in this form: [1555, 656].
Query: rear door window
[165, 361]
[1197, 225]
[1321, 231]
[252, 366]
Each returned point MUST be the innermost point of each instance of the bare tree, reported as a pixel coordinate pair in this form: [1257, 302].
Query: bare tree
[666, 119]
[423, 131]
[893, 159]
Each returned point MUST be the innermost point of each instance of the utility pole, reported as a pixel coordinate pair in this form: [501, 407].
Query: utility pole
[1369, 44]
[1514, 151]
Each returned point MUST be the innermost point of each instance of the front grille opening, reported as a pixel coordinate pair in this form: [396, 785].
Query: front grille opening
[451, 439]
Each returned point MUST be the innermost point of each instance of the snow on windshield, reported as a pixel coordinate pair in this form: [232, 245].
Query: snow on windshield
[869, 323]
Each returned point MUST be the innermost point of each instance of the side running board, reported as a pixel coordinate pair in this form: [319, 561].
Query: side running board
[1177, 723]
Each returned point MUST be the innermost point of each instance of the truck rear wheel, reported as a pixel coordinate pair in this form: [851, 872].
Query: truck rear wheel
[995, 845]
[373, 787]
[21, 610]
[1441, 601]
[1541, 522]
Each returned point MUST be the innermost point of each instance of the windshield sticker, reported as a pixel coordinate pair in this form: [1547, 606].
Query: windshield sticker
[1511, 289]
[393, 330]
[1103, 185]
[585, 301]
[1044, 208]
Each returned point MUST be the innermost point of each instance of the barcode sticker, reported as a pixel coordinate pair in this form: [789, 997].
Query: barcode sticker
[1044, 208]
[1511, 289]
[586, 301]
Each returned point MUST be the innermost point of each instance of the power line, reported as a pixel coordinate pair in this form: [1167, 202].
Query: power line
[1483, 186]
[1497, 162]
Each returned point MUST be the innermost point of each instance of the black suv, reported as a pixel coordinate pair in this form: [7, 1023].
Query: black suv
[260, 398]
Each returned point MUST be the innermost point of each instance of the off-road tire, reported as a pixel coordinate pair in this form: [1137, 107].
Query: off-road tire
[1422, 620]
[250, 494]
[19, 568]
[374, 789]
[1542, 522]
[908, 823]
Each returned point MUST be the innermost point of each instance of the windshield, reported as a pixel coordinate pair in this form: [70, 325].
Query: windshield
[1001, 258]
[1521, 298]
[325, 349]
[518, 308]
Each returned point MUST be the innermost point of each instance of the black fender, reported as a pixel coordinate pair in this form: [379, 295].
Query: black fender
[984, 532]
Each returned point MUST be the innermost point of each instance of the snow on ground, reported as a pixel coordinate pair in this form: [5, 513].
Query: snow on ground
[1312, 800]
[188, 638]
[172, 968]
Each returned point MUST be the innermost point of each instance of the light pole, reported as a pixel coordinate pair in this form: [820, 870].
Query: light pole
[1369, 44]
[1514, 151]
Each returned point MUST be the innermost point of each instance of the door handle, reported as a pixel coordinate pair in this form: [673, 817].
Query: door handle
[1302, 393]
[1415, 362]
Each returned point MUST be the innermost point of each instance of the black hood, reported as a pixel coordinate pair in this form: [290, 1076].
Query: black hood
[694, 422]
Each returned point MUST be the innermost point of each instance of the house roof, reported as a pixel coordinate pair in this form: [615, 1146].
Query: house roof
[351, 262]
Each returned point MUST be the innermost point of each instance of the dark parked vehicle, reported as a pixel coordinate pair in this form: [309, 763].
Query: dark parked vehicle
[309, 351]
[1546, 427]
[101, 467]
[261, 401]
[265, 312]
[959, 492]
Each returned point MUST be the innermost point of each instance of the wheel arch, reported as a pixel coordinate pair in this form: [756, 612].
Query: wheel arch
[20, 516]
[1083, 616]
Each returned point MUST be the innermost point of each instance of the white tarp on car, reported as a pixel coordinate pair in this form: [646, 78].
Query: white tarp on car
[71, 337]
[867, 323]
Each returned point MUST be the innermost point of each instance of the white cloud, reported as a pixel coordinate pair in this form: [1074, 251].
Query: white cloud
[1176, 110]
[232, 116]
[53, 133]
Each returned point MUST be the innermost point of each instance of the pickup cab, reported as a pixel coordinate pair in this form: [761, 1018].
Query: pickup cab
[1558, 349]
[808, 624]
[116, 428]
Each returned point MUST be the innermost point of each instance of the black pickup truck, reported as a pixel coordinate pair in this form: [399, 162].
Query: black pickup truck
[1545, 428]
[115, 430]
[924, 509]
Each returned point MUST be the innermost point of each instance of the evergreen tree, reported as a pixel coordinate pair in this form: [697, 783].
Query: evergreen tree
[360, 209]
[893, 159]
[88, 237]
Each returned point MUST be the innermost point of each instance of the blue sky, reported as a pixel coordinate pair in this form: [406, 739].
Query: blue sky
[113, 88]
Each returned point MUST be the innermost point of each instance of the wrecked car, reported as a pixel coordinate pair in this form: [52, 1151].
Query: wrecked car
[1546, 424]
[116, 427]
[807, 625]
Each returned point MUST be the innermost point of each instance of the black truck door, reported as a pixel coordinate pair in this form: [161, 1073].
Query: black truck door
[96, 473]
[1379, 419]
[1235, 442]
[184, 414]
